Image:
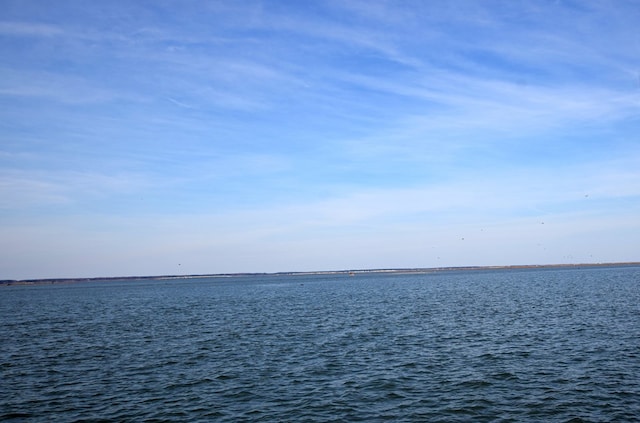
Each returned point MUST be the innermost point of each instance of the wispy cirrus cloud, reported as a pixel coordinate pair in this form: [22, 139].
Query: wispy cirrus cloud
[21, 190]
[60, 88]
[29, 29]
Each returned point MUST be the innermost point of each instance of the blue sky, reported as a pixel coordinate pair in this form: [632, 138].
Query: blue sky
[166, 137]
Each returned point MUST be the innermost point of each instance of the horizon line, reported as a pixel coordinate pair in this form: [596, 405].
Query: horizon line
[415, 270]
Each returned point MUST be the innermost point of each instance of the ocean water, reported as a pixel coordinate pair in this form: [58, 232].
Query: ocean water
[551, 345]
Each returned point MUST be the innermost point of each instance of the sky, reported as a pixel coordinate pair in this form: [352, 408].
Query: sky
[197, 137]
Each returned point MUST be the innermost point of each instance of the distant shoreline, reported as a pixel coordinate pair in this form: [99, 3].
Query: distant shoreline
[353, 272]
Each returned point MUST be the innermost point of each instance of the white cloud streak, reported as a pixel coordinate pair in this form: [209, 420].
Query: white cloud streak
[29, 29]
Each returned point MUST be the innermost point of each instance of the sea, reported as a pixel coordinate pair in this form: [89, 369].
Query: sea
[538, 345]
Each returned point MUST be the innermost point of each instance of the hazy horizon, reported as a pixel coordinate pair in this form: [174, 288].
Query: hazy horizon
[146, 138]
[350, 272]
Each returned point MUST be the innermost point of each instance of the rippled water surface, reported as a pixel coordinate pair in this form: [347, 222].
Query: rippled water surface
[528, 345]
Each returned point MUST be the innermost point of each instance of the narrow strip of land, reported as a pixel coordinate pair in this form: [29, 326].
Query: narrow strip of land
[351, 272]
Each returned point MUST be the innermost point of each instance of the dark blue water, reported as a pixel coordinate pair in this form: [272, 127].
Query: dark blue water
[537, 345]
